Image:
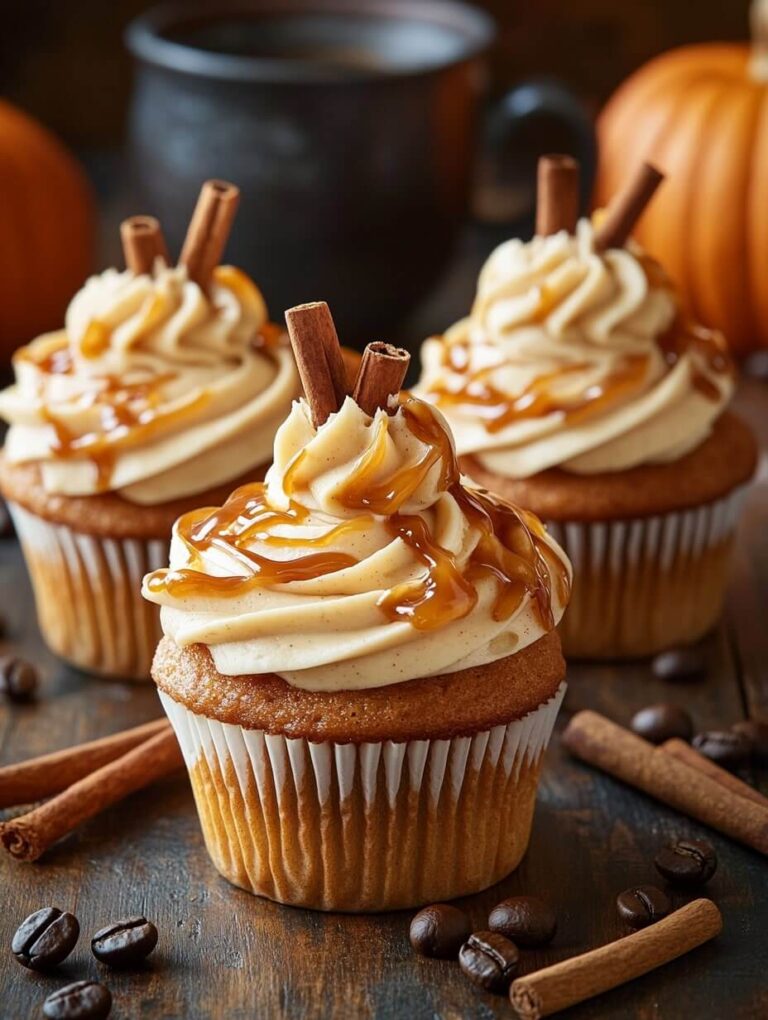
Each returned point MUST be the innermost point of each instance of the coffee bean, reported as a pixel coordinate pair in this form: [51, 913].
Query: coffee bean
[45, 938]
[730, 749]
[489, 960]
[687, 862]
[18, 679]
[757, 734]
[83, 1000]
[642, 905]
[439, 930]
[526, 920]
[680, 663]
[125, 943]
[661, 722]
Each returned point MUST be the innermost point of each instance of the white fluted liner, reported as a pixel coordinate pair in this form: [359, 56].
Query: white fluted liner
[644, 584]
[88, 595]
[259, 795]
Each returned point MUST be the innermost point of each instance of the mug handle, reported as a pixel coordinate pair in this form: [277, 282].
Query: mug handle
[535, 117]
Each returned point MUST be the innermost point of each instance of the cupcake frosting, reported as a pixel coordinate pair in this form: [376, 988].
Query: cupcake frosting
[155, 389]
[578, 359]
[363, 560]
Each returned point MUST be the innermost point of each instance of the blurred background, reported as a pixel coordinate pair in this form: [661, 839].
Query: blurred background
[66, 62]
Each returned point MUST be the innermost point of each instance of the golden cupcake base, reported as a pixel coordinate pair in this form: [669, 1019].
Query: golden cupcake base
[626, 605]
[364, 827]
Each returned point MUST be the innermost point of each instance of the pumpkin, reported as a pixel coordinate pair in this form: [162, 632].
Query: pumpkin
[700, 113]
[47, 229]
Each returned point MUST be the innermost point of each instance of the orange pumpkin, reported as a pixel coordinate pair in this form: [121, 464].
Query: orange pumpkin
[47, 229]
[700, 113]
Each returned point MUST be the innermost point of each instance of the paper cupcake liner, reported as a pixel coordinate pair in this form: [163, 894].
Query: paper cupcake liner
[646, 584]
[364, 827]
[88, 595]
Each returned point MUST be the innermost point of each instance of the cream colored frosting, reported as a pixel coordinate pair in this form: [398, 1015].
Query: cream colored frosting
[154, 389]
[569, 338]
[337, 629]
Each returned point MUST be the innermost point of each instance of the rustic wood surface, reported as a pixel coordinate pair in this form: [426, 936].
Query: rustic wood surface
[223, 953]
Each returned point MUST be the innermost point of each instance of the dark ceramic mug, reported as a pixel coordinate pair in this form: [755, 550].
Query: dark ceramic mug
[350, 127]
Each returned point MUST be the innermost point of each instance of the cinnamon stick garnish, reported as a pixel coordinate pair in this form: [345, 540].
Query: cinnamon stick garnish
[41, 777]
[627, 208]
[622, 754]
[318, 357]
[28, 837]
[209, 230]
[557, 195]
[143, 242]
[547, 991]
[381, 375]
[690, 756]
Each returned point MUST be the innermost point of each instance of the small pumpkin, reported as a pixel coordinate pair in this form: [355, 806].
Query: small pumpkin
[700, 113]
[47, 229]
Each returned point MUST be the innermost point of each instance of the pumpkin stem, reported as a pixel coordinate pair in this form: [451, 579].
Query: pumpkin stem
[758, 17]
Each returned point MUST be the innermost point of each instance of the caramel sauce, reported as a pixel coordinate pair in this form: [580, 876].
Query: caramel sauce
[129, 412]
[498, 410]
[511, 547]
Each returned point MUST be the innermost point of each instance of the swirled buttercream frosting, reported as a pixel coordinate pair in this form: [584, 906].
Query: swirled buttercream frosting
[362, 560]
[155, 389]
[577, 359]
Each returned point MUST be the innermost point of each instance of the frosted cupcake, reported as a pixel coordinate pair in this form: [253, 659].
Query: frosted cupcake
[578, 388]
[166, 385]
[361, 664]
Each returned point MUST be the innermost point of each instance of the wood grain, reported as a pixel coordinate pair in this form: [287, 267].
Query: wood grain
[223, 953]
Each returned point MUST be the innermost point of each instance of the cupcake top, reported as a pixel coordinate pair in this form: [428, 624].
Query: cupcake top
[157, 388]
[363, 560]
[576, 357]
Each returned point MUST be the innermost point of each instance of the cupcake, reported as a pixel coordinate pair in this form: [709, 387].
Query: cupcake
[578, 388]
[360, 659]
[165, 387]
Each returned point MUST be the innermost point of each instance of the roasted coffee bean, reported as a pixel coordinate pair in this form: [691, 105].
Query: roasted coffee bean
[18, 679]
[125, 943]
[642, 905]
[680, 663]
[489, 960]
[687, 862]
[526, 920]
[83, 1000]
[730, 749]
[661, 722]
[757, 734]
[45, 938]
[440, 930]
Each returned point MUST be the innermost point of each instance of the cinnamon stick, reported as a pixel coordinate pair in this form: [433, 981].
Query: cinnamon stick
[143, 242]
[209, 230]
[690, 756]
[318, 357]
[627, 208]
[49, 774]
[622, 754]
[381, 375]
[28, 837]
[557, 195]
[564, 984]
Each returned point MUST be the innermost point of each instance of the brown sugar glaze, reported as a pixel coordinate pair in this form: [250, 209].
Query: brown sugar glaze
[497, 409]
[511, 548]
[128, 413]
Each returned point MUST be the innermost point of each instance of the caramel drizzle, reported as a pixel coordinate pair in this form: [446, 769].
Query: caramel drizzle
[497, 409]
[511, 548]
[128, 412]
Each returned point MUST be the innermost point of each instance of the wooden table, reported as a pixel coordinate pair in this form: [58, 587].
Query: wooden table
[223, 953]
